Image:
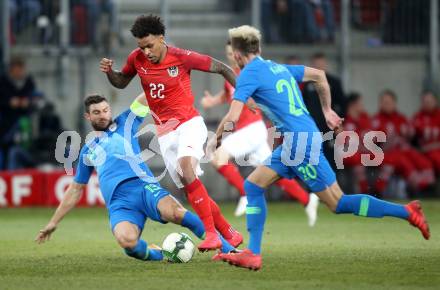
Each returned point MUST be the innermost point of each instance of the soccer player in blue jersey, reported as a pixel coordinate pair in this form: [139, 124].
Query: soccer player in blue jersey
[274, 87]
[129, 189]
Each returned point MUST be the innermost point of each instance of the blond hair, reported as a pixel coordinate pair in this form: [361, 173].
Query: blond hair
[245, 38]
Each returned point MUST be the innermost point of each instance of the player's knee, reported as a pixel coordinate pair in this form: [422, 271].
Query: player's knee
[177, 215]
[171, 210]
[174, 214]
[127, 240]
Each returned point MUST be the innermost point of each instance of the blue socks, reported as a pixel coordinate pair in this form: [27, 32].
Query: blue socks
[195, 225]
[226, 246]
[141, 252]
[255, 215]
[369, 206]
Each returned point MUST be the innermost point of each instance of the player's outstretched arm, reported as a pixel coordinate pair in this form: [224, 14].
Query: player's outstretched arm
[323, 89]
[70, 199]
[223, 69]
[117, 79]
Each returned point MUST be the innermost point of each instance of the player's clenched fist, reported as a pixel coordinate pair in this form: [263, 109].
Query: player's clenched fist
[106, 65]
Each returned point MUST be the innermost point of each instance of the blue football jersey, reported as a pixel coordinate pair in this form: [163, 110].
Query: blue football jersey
[274, 87]
[115, 155]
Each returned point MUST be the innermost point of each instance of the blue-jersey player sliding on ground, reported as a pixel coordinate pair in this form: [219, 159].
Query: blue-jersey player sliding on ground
[274, 88]
[129, 189]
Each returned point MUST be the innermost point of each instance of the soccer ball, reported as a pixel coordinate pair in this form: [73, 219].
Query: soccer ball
[178, 248]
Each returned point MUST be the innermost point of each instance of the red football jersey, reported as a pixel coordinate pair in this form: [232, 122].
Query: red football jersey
[247, 117]
[167, 85]
[396, 127]
[427, 129]
[361, 125]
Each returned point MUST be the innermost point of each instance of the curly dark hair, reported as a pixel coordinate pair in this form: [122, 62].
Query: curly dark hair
[146, 25]
[93, 99]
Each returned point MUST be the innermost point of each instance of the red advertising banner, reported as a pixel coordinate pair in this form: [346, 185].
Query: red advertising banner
[36, 188]
[21, 188]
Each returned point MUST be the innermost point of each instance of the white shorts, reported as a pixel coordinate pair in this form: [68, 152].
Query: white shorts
[186, 140]
[250, 140]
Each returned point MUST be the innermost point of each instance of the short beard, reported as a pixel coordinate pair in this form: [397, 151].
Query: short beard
[97, 127]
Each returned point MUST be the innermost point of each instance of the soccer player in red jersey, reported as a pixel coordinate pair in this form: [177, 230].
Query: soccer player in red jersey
[427, 126]
[400, 156]
[164, 72]
[357, 120]
[250, 138]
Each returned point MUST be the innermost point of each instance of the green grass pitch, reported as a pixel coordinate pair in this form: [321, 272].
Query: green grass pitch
[341, 252]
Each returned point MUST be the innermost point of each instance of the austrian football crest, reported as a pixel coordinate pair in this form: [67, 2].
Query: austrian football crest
[173, 71]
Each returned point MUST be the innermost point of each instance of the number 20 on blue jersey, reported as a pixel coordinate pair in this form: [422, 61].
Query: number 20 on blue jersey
[294, 96]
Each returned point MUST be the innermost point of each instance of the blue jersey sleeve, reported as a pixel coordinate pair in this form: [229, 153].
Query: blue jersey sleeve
[83, 171]
[247, 84]
[129, 115]
[297, 71]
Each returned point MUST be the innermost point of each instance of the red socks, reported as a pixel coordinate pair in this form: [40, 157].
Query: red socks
[232, 175]
[294, 190]
[221, 224]
[201, 203]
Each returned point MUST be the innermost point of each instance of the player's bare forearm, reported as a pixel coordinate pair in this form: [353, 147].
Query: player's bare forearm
[71, 197]
[230, 119]
[252, 105]
[223, 69]
[321, 86]
[118, 79]
[323, 90]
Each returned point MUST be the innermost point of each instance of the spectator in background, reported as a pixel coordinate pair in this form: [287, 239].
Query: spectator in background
[23, 13]
[43, 143]
[400, 156]
[87, 14]
[427, 128]
[292, 59]
[267, 21]
[406, 22]
[284, 20]
[298, 21]
[288, 21]
[2, 63]
[357, 120]
[301, 25]
[325, 19]
[17, 95]
[311, 100]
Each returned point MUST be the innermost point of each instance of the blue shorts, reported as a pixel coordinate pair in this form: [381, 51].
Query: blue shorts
[317, 177]
[134, 201]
